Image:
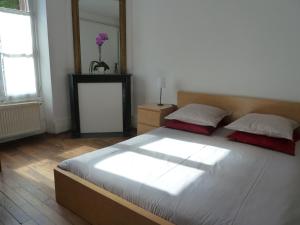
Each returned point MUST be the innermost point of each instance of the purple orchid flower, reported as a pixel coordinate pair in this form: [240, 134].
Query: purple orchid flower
[99, 41]
[101, 38]
[94, 65]
[104, 36]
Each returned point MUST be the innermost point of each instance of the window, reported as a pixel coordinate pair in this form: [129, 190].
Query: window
[12, 4]
[18, 79]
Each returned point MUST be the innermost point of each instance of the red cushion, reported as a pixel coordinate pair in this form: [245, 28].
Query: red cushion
[297, 135]
[194, 128]
[277, 144]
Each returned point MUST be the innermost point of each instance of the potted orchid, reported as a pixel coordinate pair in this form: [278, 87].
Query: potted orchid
[96, 66]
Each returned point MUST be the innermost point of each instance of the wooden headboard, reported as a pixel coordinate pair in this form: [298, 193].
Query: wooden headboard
[240, 106]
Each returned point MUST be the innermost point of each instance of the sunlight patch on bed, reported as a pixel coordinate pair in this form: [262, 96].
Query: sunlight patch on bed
[206, 154]
[140, 139]
[173, 147]
[156, 173]
[210, 155]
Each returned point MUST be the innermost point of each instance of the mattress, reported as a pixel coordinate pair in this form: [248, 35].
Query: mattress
[190, 179]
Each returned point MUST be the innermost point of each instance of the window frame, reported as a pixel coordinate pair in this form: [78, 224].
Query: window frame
[35, 55]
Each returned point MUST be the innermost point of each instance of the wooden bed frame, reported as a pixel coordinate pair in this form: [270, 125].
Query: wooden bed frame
[100, 207]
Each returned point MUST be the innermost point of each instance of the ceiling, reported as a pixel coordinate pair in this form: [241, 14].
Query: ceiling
[106, 8]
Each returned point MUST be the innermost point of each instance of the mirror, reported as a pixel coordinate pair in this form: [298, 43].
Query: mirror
[106, 21]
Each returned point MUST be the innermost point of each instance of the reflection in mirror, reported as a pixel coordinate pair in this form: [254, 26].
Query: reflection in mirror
[99, 17]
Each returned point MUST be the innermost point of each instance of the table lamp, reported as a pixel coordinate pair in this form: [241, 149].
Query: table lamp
[161, 81]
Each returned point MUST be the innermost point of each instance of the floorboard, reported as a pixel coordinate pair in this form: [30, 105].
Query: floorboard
[27, 194]
[17, 213]
[7, 218]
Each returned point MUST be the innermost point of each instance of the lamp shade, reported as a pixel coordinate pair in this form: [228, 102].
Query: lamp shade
[161, 82]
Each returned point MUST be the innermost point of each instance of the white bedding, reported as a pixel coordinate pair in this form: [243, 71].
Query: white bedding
[191, 179]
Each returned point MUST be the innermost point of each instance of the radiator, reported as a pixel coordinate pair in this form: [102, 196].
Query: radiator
[19, 119]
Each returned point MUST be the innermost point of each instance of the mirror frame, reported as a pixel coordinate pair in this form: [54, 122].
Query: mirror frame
[76, 36]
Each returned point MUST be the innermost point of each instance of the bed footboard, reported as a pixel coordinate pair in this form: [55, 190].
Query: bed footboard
[98, 206]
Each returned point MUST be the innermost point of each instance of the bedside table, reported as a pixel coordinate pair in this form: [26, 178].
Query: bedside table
[152, 116]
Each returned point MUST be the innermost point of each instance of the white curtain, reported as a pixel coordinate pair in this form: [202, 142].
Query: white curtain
[17, 65]
[24, 5]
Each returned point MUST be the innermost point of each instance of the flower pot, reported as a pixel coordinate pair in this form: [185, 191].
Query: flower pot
[100, 70]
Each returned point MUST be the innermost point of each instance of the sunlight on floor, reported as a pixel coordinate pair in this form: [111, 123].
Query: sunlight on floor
[205, 154]
[76, 151]
[156, 173]
[28, 171]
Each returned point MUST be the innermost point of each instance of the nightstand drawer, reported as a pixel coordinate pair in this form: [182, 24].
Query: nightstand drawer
[144, 128]
[148, 117]
[152, 116]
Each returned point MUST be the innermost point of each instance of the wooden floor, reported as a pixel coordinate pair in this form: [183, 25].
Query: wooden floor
[26, 183]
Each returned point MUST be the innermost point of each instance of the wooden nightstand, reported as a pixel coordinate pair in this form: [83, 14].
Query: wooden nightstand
[152, 116]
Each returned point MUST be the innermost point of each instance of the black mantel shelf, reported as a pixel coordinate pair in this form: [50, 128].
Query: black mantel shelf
[75, 79]
[99, 77]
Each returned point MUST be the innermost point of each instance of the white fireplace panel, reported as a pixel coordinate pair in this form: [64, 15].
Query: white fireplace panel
[100, 107]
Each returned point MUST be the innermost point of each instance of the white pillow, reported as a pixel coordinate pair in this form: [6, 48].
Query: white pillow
[204, 115]
[265, 124]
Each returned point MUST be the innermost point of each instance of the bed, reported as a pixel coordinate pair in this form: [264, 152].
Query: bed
[169, 177]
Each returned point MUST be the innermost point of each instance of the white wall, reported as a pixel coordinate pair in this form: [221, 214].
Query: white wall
[59, 22]
[238, 47]
[97, 17]
[40, 11]
[55, 41]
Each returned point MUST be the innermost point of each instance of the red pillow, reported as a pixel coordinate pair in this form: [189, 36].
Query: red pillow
[278, 144]
[297, 135]
[194, 128]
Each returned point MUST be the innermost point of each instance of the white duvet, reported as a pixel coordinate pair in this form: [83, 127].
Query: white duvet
[191, 179]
